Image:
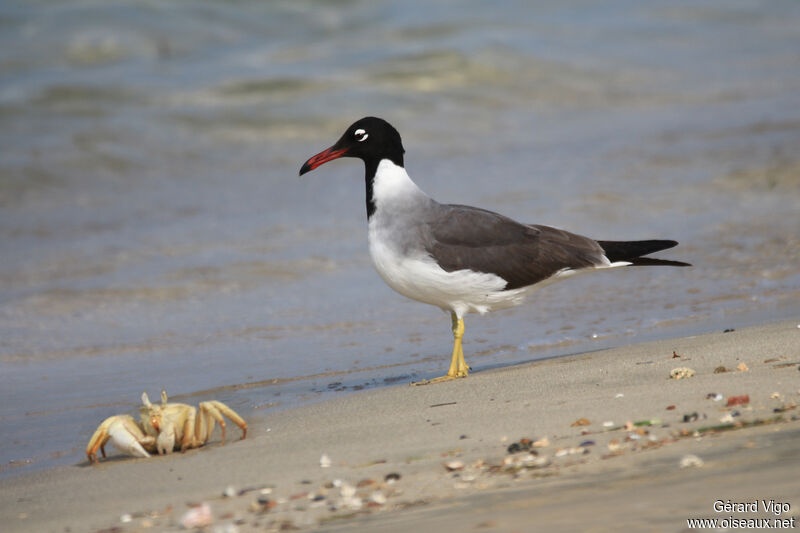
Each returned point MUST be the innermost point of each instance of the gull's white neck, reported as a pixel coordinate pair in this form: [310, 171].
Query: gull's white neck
[392, 188]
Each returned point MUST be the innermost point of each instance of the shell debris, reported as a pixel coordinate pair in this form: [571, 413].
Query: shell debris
[681, 372]
[200, 516]
[691, 461]
[452, 466]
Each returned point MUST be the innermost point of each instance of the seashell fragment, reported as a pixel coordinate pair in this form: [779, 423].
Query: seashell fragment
[681, 372]
[199, 516]
[452, 466]
[691, 461]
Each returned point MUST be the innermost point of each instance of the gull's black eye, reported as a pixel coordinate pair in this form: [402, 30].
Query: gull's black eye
[360, 135]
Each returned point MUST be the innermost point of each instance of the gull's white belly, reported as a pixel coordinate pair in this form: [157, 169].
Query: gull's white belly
[418, 277]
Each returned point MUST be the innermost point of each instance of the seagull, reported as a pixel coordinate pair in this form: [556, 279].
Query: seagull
[459, 258]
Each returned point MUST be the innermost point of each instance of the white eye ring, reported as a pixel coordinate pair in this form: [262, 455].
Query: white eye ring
[361, 135]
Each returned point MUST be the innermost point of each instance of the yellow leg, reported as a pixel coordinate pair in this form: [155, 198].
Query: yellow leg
[458, 366]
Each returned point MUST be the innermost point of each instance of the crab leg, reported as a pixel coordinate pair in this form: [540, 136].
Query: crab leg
[98, 440]
[213, 410]
[189, 440]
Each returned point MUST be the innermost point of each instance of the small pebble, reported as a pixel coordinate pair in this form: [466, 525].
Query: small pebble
[392, 477]
[608, 424]
[714, 396]
[744, 399]
[691, 417]
[517, 447]
[727, 418]
[741, 367]
[125, 518]
[378, 497]
[325, 461]
[229, 491]
[619, 395]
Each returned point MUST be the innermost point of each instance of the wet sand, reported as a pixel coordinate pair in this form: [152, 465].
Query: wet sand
[436, 458]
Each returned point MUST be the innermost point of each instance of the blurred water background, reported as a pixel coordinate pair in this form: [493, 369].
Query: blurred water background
[154, 232]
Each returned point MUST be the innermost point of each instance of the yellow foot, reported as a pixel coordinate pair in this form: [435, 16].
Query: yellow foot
[440, 379]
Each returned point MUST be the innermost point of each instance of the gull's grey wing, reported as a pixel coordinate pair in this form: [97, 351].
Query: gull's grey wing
[463, 237]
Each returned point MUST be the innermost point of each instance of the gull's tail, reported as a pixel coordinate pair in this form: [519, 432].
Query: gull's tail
[633, 252]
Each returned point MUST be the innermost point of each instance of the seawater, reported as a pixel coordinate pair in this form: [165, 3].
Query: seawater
[154, 232]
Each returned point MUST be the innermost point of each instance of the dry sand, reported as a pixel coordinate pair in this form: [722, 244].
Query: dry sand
[620, 479]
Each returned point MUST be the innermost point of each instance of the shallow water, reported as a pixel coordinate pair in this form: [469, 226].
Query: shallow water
[153, 231]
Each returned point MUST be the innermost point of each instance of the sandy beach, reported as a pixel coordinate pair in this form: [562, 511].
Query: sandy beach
[598, 441]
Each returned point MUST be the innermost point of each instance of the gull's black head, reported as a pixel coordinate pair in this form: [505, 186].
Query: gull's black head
[370, 139]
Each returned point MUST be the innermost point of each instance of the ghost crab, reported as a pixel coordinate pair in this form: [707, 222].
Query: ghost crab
[162, 428]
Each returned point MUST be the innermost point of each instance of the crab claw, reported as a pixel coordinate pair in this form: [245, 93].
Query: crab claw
[165, 442]
[124, 433]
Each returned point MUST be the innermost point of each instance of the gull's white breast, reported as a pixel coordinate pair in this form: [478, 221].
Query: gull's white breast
[395, 231]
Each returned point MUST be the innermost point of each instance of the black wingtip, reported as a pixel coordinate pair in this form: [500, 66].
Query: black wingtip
[649, 261]
[632, 252]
